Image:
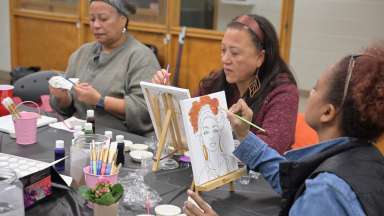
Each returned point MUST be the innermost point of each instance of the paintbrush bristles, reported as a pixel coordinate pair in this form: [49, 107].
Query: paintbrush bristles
[9, 104]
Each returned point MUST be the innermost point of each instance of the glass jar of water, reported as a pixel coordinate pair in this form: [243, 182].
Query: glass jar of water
[79, 154]
[11, 193]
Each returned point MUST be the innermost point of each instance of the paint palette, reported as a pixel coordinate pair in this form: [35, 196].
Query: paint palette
[22, 166]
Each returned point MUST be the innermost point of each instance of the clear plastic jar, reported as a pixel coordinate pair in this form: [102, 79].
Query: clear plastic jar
[11, 193]
[79, 155]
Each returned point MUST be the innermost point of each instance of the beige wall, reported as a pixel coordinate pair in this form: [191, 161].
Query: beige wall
[326, 30]
[268, 8]
[5, 42]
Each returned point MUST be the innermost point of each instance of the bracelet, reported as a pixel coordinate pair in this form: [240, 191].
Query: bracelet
[100, 104]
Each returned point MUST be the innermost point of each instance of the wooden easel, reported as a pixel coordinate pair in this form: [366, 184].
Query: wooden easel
[169, 124]
[230, 178]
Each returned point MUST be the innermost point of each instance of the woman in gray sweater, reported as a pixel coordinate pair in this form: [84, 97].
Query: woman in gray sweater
[110, 70]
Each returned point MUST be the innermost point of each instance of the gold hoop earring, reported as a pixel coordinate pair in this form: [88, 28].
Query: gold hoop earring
[254, 85]
[205, 152]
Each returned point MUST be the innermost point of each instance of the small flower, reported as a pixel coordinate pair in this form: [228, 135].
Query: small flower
[96, 195]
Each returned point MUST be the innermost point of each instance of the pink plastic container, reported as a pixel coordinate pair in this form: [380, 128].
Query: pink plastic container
[91, 180]
[26, 128]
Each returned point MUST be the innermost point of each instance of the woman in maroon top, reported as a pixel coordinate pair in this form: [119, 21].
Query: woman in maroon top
[254, 70]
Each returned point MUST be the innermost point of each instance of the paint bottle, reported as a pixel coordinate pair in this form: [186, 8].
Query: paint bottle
[109, 134]
[59, 153]
[120, 150]
[88, 128]
[91, 119]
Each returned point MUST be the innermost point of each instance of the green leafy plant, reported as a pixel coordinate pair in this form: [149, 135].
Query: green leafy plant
[103, 194]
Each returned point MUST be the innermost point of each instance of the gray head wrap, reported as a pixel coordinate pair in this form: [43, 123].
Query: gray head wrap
[122, 6]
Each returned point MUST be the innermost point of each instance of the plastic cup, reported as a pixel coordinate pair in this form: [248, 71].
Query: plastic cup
[5, 91]
[79, 155]
[245, 179]
[146, 165]
[26, 128]
[254, 175]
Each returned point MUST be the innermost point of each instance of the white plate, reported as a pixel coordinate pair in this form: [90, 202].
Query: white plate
[139, 147]
[139, 155]
[128, 145]
[167, 210]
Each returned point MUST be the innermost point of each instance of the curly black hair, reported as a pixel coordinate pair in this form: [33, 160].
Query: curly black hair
[363, 109]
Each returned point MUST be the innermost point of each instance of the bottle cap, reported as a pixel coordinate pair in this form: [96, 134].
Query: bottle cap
[60, 144]
[108, 134]
[88, 126]
[90, 113]
[119, 138]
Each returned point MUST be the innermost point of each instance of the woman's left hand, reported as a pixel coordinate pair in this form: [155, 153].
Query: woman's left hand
[87, 94]
[203, 209]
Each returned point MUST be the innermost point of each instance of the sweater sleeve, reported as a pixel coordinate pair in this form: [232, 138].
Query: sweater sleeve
[278, 117]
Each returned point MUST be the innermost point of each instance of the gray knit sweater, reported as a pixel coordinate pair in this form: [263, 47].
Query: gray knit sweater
[117, 74]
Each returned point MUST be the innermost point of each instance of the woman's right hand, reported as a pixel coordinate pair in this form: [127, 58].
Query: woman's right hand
[62, 96]
[161, 77]
[58, 92]
[240, 128]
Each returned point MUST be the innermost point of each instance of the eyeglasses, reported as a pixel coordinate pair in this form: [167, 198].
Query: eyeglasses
[351, 66]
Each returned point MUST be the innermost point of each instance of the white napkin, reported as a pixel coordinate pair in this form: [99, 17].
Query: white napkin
[61, 82]
[68, 124]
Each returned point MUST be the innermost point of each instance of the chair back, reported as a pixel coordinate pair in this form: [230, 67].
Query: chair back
[33, 86]
[304, 135]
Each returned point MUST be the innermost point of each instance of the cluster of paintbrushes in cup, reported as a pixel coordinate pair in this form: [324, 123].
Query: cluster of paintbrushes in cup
[11, 107]
[103, 159]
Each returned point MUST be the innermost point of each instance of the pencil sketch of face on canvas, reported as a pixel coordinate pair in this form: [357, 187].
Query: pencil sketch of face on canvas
[211, 139]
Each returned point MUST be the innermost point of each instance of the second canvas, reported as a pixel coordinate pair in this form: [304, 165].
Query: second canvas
[209, 137]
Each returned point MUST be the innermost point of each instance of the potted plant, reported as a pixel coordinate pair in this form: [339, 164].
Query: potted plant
[104, 196]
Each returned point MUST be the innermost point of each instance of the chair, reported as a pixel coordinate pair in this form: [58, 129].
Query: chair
[154, 49]
[34, 87]
[304, 135]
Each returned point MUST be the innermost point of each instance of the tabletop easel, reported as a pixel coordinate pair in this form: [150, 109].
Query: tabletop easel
[169, 125]
[229, 178]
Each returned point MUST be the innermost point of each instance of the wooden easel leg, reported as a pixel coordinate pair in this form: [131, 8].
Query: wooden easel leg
[232, 186]
[163, 138]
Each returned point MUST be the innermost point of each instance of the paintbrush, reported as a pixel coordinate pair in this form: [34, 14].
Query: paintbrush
[245, 120]
[166, 75]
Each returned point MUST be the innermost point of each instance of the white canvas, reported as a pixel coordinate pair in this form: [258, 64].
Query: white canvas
[151, 89]
[209, 137]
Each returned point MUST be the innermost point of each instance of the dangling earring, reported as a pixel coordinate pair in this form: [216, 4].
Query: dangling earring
[124, 30]
[254, 85]
[205, 152]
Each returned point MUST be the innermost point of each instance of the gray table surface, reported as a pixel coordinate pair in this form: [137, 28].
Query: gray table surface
[257, 198]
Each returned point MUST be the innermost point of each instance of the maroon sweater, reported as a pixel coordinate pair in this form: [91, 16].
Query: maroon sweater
[277, 115]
